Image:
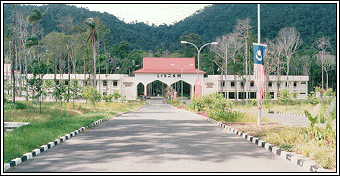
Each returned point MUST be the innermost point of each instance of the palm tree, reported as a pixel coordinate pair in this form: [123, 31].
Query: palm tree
[92, 38]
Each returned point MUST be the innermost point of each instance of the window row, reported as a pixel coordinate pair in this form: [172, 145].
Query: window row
[114, 82]
[270, 83]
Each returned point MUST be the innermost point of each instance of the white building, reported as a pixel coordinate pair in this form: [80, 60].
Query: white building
[172, 70]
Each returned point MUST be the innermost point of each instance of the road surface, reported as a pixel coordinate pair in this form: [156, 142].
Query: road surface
[157, 138]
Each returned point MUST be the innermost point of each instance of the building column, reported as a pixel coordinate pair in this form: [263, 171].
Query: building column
[192, 91]
[145, 90]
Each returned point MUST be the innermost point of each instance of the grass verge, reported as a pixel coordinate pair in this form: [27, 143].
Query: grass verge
[52, 123]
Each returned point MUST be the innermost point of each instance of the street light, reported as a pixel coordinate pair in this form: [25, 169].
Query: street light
[198, 56]
[182, 76]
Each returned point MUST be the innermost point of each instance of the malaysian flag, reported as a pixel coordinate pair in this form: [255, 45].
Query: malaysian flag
[259, 51]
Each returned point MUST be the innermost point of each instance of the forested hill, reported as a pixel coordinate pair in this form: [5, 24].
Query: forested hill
[311, 20]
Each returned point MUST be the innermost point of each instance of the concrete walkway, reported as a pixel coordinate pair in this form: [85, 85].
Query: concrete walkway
[158, 138]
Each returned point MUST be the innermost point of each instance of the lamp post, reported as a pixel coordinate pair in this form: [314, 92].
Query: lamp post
[198, 56]
[182, 77]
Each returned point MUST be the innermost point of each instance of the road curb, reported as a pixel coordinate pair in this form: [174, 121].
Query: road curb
[274, 149]
[17, 161]
[270, 147]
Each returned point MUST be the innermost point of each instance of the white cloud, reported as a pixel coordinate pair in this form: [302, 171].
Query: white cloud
[148, 13]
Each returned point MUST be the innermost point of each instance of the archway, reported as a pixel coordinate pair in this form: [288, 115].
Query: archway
[186, 89]
[156, 88]
[140, 90]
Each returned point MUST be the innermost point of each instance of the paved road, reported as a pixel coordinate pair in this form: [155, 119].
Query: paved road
[157, 138]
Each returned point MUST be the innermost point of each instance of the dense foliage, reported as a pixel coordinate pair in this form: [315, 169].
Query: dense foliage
[61, 32]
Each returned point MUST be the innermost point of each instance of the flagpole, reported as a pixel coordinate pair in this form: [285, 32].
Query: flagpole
[258, 41]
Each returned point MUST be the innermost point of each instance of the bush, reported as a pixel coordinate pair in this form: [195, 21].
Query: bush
[10, 106]
[107, 98]
[312, 99]
[20, 105]
[210, 101]
[91, 94]
[225, 115]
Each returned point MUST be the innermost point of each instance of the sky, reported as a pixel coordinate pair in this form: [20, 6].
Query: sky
[156, 14]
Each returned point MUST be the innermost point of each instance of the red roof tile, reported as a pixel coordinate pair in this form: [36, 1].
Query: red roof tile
[163, 65]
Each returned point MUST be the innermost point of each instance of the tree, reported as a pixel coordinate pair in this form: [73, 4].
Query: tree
[290, 41]
[329, 64]
[59, 91]
[270, 63]
[286, 96]
[75, 90]
[13, 61]
[306, 63]
[322, 44]
[92, 38]
[227, 47]
[36, 16]
[189, 50]
[39, 68]
[242, 27]
[91, 94]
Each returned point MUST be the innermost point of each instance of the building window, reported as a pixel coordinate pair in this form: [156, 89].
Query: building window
[222, 83]
[104, 83]
[251, 83]
[66, 82]
[286, 84]
[115, 83]
[295, 83]
[271, 95]
[232, 95]
[303, 82]
[57, 82]
[270, 83]
[252, 95]
[242, 84]
[232, 83]
[242, 95]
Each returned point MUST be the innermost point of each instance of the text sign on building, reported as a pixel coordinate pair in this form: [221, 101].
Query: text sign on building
[168, 75]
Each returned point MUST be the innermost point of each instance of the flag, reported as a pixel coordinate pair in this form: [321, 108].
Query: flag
[198, 88]
[259, 51]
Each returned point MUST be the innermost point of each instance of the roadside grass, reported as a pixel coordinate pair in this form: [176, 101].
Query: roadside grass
[53, 122]
[297, 106]
[318, 143]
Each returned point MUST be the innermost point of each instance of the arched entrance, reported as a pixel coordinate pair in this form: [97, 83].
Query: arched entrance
[156, 88]
[140, 90]
[186, 89]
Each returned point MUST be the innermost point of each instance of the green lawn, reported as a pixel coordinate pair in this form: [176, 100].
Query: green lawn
[53, 123]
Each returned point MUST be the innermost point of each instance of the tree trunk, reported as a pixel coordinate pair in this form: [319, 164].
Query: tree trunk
[327, 80]
[94, 65]
[13, 60]
[69, 77]
[322, 70]
[84, 73]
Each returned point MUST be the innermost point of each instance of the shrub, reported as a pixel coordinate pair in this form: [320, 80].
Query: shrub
[20, 105]
[91, 94]
[107, 98]
[312, 99]
[10, 106]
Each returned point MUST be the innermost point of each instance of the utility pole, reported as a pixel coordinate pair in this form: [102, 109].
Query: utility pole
[258, 41]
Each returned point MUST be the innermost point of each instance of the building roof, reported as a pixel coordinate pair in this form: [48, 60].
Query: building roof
[163, 65]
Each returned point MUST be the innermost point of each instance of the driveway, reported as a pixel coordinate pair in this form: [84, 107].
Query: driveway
[157, 138]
